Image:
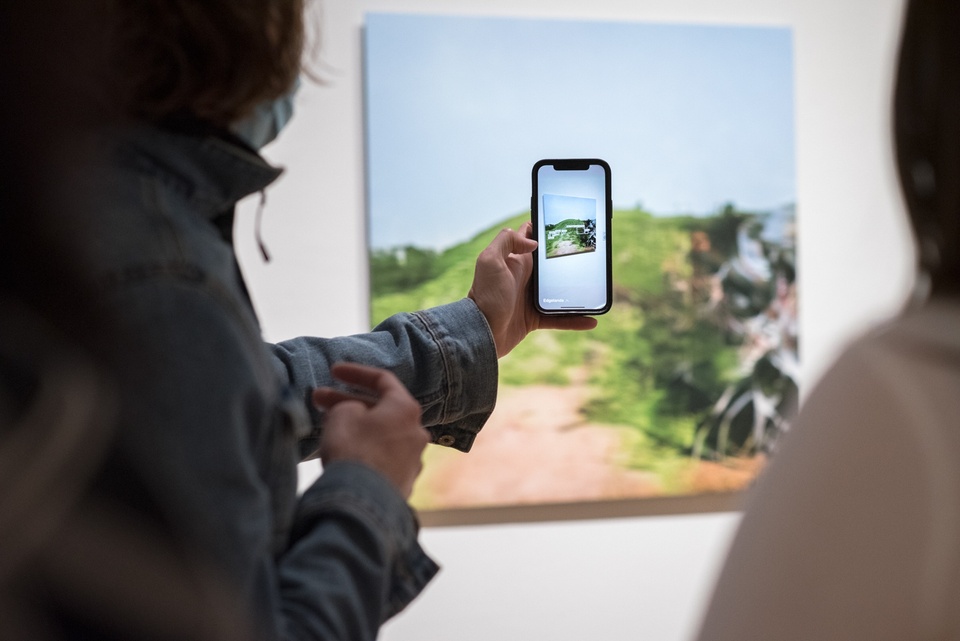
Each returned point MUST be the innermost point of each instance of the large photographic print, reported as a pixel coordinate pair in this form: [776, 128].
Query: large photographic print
[689, 381]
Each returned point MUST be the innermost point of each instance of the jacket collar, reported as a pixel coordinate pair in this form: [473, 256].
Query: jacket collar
[209, 167]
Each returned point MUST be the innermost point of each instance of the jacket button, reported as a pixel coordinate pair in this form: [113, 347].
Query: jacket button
[446, 440]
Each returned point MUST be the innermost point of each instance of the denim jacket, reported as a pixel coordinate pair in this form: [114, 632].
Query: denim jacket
[214, 421]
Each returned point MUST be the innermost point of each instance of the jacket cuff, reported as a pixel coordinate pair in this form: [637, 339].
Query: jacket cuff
[354, 489]
[469, 359]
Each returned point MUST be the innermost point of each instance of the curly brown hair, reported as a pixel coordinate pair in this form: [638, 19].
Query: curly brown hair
[210, 59]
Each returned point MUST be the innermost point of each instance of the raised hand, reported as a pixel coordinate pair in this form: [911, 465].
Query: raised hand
[501, 289]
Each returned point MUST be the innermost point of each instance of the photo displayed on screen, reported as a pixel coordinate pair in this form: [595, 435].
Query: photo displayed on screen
[570, 225]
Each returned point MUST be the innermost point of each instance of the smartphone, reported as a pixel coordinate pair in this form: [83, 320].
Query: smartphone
[571, 210]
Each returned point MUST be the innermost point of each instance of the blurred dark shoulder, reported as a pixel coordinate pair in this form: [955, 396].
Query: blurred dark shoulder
[76, 561]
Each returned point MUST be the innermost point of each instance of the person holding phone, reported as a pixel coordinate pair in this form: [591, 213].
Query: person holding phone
[212, 421]
[851, 532]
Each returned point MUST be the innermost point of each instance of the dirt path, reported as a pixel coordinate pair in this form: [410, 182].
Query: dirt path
[535, 448]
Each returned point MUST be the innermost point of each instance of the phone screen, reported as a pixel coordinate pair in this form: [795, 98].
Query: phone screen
[572, 210]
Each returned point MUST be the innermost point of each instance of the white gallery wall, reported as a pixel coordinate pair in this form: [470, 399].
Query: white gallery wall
[631, 578]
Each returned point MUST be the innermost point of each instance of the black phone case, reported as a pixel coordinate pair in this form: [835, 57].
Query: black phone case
[573, 164]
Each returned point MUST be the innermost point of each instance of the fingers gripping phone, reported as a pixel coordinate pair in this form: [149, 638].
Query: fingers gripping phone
[571, 210]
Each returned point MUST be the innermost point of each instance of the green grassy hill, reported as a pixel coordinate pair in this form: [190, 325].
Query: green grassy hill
[651, 333]
[454, 269]
[642, 244]
[565, 223]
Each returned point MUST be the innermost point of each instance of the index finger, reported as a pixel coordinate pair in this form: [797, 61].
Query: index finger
[375, 379]
[327, 397]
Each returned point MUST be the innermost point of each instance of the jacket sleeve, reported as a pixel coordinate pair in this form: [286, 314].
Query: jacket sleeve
[354, 560]
[203, 435]
[444, 355]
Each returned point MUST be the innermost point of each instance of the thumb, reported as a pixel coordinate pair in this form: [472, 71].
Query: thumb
[509, 242]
